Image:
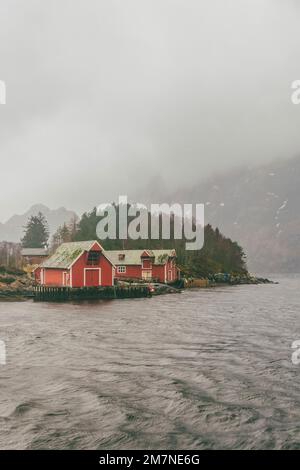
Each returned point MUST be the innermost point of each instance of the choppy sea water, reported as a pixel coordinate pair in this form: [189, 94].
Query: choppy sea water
[205, 369]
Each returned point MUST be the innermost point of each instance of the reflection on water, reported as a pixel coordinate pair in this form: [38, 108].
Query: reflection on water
[203, 369]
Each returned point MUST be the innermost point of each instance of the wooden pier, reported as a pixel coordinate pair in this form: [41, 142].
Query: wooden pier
[63, 294]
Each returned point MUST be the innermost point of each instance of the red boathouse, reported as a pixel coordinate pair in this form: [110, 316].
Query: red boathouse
[156, 265]
[77, 264]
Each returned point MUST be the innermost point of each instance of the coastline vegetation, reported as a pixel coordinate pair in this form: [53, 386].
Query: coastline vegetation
[220, 259]
[218, 255]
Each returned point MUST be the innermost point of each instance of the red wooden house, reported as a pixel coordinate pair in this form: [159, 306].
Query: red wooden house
[157, 265]
[77, 264]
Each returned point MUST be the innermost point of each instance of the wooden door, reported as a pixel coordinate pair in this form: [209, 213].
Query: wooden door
[92, 277]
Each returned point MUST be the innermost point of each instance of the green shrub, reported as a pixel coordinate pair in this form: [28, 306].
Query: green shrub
[7, 279]
[12, 271]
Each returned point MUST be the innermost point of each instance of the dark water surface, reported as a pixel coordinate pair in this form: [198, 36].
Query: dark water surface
[200, 370]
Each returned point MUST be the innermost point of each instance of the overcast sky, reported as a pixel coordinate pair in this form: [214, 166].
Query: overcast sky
[104, 96]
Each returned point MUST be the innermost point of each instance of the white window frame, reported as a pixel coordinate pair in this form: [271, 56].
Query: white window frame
[146, 274]
[121, 269]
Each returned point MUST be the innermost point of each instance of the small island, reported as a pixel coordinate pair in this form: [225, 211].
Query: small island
[221, 261]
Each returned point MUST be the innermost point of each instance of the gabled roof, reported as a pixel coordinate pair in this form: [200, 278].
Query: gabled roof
[34, 252]
[133, 257]
[67, 253]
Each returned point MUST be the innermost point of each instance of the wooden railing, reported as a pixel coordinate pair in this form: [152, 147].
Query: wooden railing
[62, 294]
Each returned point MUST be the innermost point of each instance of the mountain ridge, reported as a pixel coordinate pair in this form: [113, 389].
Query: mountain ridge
[12, 230]
[257, 207]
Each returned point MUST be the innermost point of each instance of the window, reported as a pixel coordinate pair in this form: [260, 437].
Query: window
[121, 256]
[147, 274]
[93, 258]
[121, 269]
[146, 263]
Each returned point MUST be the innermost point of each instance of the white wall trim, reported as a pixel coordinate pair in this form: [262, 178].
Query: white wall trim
[91, 269]
[75, 260]
[64, 279]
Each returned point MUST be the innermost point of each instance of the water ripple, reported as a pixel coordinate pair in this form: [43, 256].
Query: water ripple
[206, 369]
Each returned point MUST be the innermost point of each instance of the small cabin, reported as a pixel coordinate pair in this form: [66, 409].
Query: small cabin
[77, 264]
[151, 265]
[34, 256]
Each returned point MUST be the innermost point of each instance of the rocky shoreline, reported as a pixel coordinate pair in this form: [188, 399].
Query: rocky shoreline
[14, 284]
[240, 279]
[18, 285]
[226, 279]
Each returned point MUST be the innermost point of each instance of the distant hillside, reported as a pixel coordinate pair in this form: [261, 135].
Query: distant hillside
[260, 209]
[12, 230]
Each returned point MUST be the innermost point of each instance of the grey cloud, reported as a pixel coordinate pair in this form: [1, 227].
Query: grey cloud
[105, 97]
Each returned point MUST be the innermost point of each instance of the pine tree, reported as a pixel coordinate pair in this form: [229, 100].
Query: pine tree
[73, 228]
[62, 235]
[36, 232]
